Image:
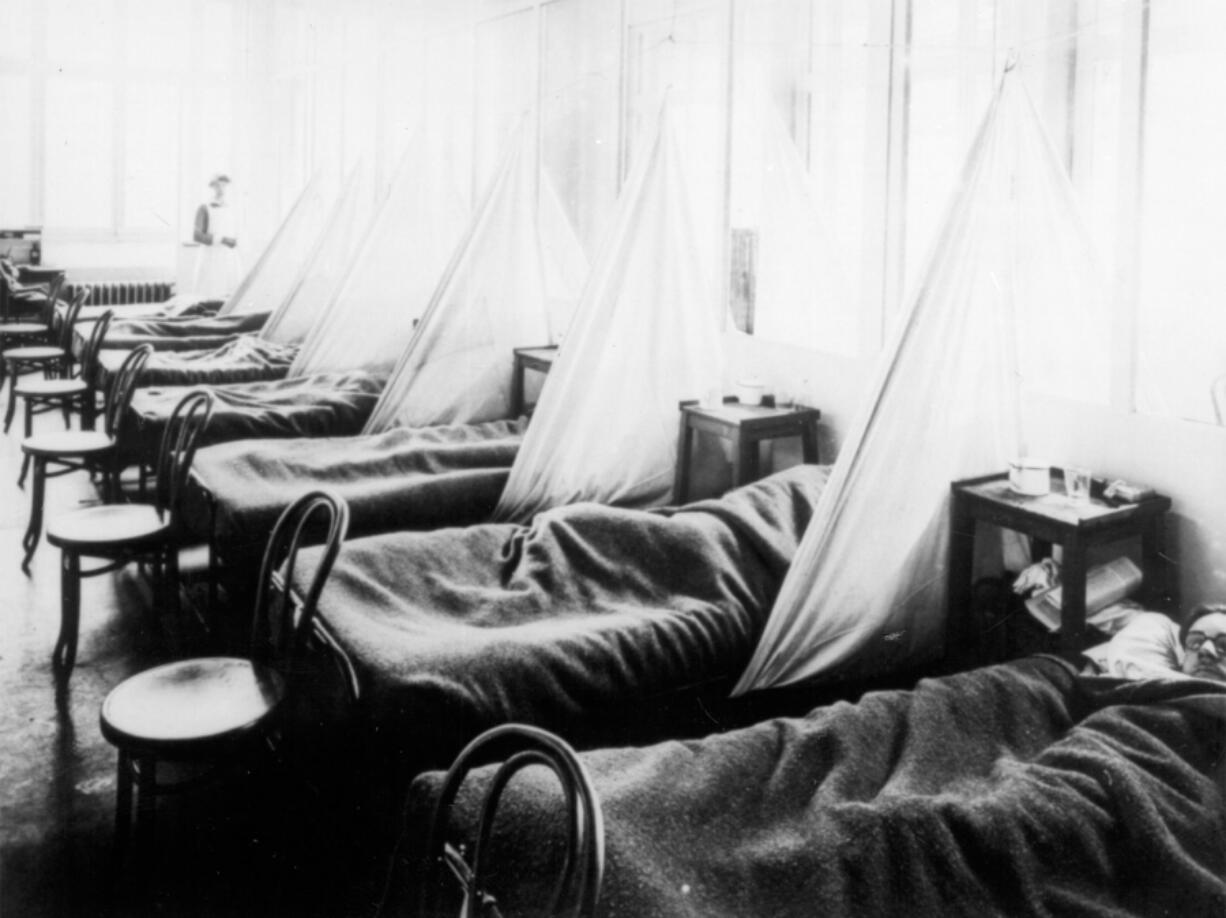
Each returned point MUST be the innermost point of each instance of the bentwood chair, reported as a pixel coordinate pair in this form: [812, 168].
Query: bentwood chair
[19, 299]
[578, 887]
[31, 333]
[123, 533]
[53, 360]
[94, 451]
[65, 394]
[216, 711]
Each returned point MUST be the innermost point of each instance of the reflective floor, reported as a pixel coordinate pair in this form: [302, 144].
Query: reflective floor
[248, 845]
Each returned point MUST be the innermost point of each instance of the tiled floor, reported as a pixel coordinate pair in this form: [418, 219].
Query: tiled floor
[243, 847]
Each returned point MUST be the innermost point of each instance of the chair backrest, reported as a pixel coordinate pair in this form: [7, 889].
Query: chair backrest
[578, 886]
[282, 618]
[93, 346]
[119, 393]
[47, 316]
[178, 447]
[69, 322]
[1218, 392]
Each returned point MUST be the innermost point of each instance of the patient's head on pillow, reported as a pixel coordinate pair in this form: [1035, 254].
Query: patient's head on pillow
[1203, 637]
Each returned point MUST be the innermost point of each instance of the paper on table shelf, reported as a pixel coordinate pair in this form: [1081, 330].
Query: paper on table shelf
[1106, 584]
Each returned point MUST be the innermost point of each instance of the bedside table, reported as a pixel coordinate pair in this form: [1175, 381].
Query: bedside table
[745, 426]
[528, 358]
[1052, 519]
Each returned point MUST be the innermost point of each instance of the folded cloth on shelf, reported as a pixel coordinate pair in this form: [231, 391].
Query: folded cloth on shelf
[589, 610]
[322, 405]
[1016, 789]
[420, 478]
[247, 358]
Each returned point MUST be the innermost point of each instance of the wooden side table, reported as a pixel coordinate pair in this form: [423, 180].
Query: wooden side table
[745, 426]
[1047, 520]
[528, 358]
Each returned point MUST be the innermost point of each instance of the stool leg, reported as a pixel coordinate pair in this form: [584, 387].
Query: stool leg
[744, 460]
[66, 410]
[65, 655]
[213, 573]
[89, 409]
[35, 527]
[170, 571]
[8, 415]
[29, 417]
[146, 791]
[123, 802]
[681, 477]
[808, 443]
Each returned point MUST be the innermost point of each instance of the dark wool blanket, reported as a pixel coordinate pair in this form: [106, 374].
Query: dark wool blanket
[420, 478]
[176, 306]
[177, 333]
[589, 610]
[247, 358]
[323, 405]
[1020, 789]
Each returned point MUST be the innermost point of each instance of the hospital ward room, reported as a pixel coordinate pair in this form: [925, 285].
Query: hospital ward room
[612, 458]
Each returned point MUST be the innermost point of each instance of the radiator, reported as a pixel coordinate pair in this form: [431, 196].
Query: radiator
[118, 293]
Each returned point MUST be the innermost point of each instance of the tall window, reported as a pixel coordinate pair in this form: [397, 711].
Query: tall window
[1181, 328]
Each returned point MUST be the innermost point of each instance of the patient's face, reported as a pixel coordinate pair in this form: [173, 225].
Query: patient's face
[1205, 648]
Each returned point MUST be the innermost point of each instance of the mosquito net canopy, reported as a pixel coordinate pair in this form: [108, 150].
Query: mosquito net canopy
[388, 284]
[513, 282]
[1010, 295]
[280, 264]
[646, 335]
[801, 293]
[324, 268]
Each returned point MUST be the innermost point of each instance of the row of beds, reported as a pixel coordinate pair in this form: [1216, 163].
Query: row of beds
[1023, 787]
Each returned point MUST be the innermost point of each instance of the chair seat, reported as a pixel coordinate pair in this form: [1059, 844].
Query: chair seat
[192, 703]
[37, 352]
[51, 388]
[22, 329]
[68, 443]
[107, 526]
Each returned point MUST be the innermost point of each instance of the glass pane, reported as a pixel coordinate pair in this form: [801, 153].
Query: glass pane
[216, 130]
[1182, 326]
[158, 33]
[951, 83]
[505, 86]
[447, 93]
[16, 36]
[579, 128]
[219, 36]
[151, 151]
[15, 177]
[848, 143]
[81, 31]
[78, 179]
[361, 90]
[681, 48]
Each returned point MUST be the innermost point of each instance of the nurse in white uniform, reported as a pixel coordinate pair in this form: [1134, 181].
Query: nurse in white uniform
[217, 266]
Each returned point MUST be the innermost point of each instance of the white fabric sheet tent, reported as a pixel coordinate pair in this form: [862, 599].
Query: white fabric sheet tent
[513, 282]
[388, 284]
[264, 286]
[802, 293]
[1010, 292]
[645, 336]
[322, 271]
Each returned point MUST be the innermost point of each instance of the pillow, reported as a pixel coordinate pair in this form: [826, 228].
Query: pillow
[1147, 647]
